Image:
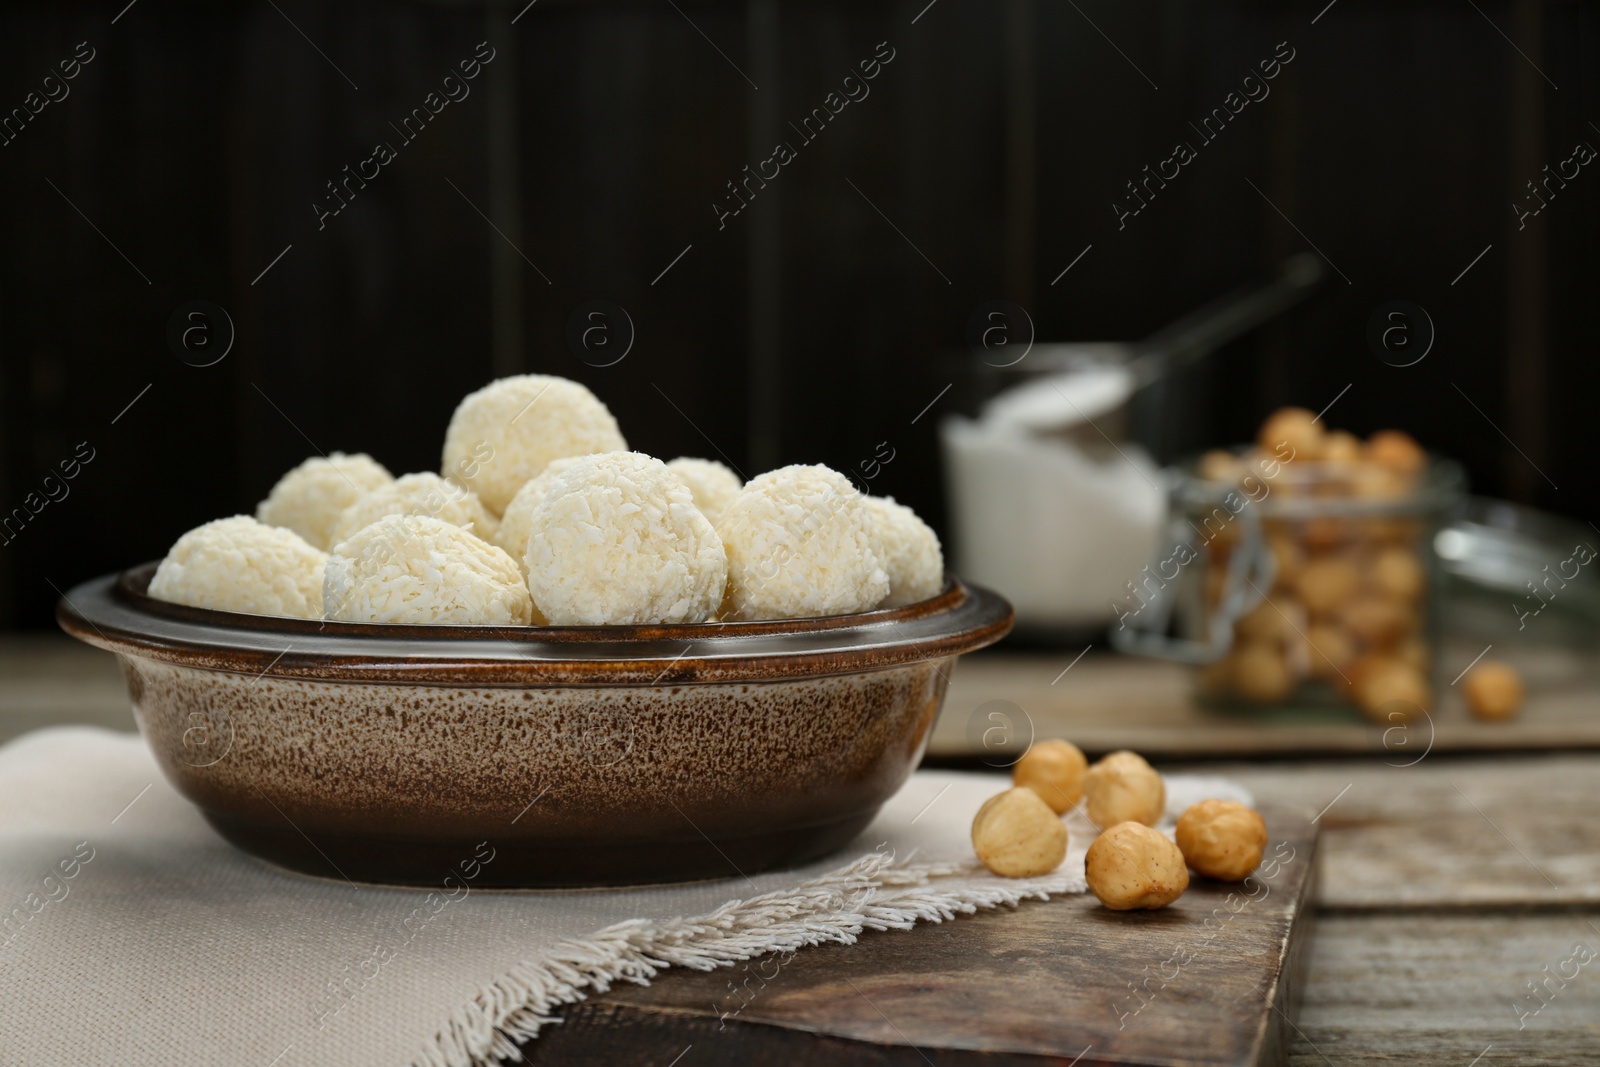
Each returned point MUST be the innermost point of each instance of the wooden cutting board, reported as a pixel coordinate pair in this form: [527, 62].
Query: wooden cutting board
[1060, 982]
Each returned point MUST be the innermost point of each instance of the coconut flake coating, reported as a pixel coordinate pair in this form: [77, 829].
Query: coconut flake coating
[714, 486]
[618, 540]
[909, 550]
[418, 494]
[309, 499]
[240, 564]
[800, 544]
[506, 432]
[415, 569]
[517, 522]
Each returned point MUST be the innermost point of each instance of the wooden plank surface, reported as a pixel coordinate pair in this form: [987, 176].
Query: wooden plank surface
[1445, 832]
[1425, 989]
[1106, 702]
[1038, 984]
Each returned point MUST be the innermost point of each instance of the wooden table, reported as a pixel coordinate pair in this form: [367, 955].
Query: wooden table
[1447, 886]
[1105, 701]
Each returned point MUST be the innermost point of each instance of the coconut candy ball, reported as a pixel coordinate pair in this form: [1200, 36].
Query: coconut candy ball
[517, 522]
[418, 494]
[241, 564]
[909, 550]
[309, 499]
[714, 486]
[618, 540]
[506, 432]
[416, 569]
[800, 544]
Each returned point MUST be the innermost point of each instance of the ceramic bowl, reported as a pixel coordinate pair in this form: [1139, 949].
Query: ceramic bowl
[582, 756]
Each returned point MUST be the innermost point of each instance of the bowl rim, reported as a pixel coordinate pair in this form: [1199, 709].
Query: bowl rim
[116, 613]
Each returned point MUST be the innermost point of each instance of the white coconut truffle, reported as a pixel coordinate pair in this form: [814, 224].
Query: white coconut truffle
[417, 569]
[240, 564]
[618, 540]
[506, 432]
[714, 486]
[800, 544]
[309, 498]
[909, 550]
[418, 494]
[517, 522]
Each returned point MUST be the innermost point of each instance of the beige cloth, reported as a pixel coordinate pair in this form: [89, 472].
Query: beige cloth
[134, 935]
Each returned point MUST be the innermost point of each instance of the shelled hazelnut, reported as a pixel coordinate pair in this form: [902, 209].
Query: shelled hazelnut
[1494, 690]
[1221, 839]
[1327, 583]
[1122, 787]
[1385, 688]
[1396, 450]
[1016, 835]
[1295, 427]
[1054, 769]
[1132, 866]
[1261, 673]
[1331, 651]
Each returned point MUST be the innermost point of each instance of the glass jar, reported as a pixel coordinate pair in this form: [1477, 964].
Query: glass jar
[1294, 583]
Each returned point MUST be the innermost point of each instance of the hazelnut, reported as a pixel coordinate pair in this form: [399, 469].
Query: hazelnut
[1295, 427]
[1372, 482]
[1398, 573]
[1376, 621]
[1331, 652]
[1270, 622]
[1385, 688]
[1220, 466]
[1327, 583]
[1261, 673]
[1288, 558]
[1016, 835]
[1341, 447]
[1124, 788]
[1221, 839]
[1494, 690]
[1392, 531]
[1397, 451]
[1326, 534]
[1415, 652]
[1132, 866]
[1053, 769]
[1220, 530]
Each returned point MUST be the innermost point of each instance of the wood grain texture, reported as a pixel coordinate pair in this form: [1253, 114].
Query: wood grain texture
[1442, 989]
[1446, 832]
[1040, 984]
[1106, 702]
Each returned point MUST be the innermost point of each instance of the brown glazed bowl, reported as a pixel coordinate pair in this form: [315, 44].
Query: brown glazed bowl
[583, 756]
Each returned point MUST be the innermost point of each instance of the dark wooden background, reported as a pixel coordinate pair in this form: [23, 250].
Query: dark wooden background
[809, 329]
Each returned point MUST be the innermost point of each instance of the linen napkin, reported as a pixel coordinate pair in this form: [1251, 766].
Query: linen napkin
[133, 934]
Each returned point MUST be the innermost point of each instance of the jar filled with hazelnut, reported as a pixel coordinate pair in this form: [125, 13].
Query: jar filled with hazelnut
[1305, 573]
